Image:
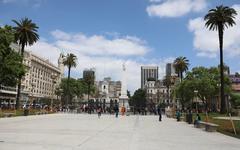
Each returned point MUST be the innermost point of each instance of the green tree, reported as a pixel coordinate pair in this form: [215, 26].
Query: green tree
[25, 34]
[89, 81]
[139, 98]
[68, 86]
[235, 99]
[218, 19]
[69, 61]
[206, 82]
[11, 67]
[185, 92]
[181, 65]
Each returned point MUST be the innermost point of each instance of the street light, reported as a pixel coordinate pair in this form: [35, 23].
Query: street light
[33, 84]
[53, 77]
[196, 93]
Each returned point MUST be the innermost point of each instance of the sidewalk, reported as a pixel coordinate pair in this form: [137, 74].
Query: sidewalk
[87, 132]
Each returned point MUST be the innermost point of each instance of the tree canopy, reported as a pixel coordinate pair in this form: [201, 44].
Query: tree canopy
[11, 67]
[138, 99]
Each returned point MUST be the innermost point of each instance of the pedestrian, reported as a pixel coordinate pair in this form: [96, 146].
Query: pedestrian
[116, 109]
[99, 111]
[197, 119]
[159, 113]
[178, 114]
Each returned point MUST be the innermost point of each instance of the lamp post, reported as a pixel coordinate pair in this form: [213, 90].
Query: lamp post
[33, 86]
[196, 93]
[53, 77]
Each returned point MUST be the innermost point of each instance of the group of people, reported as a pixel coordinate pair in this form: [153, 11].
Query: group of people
[188, 117]
[116, 111]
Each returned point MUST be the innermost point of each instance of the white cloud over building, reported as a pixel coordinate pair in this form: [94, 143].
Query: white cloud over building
[175, 8]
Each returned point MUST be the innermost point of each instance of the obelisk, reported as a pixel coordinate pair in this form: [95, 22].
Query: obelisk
[123, 99]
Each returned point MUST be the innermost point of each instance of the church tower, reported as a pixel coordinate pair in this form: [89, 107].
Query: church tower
[60, 64]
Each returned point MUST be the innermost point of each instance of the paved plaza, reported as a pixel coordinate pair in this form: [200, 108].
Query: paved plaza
[87, 132]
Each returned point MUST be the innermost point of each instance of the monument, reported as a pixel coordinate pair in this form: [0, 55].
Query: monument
[123, 99]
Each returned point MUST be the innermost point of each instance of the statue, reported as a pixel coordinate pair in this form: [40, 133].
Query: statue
[124, 67]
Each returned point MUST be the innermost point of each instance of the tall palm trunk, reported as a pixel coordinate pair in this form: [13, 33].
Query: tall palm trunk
[19, 80]
[68, 91]
[181, 75]
[220, 35]
[88, 91]
[168, 95]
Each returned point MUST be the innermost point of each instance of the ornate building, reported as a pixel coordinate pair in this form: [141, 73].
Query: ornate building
[40, 80]
[108, 89]
[156, 92]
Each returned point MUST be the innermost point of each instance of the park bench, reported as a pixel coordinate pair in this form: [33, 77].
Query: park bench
[210, 127]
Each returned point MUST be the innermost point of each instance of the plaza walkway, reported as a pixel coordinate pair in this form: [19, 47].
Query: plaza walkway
[87, 132]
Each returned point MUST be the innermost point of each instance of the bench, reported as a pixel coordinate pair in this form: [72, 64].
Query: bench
[8, 114]
[210, 127]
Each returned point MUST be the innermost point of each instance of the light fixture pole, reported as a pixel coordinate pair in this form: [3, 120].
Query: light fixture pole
[196, 93]
[53, 77]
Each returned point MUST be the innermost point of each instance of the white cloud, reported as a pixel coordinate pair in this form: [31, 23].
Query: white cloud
[206, 42]
[108, 61]
[100, 45]
[33, 3]
[60, 35]
[175, 8]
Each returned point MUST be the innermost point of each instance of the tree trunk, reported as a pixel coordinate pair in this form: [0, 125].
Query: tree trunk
[68, 91]
[220, 35]
[168, 96]
[88, 91]
[19, 80]
[181, 75]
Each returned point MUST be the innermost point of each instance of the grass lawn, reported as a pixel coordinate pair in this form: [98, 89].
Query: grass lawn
[225, 126]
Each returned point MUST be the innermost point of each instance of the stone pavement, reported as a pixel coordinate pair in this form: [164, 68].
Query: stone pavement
[87, 132]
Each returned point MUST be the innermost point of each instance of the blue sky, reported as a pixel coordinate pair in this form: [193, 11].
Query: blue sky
[106, 33]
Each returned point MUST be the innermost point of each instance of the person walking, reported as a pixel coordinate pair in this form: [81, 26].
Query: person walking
[159, 113]
[178, 115]
[99, 111]
[116, 109]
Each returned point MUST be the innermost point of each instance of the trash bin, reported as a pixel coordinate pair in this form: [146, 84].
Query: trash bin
[26, 112]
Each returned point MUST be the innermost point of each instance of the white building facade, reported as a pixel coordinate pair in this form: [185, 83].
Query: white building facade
[157, 93]
[40, 80]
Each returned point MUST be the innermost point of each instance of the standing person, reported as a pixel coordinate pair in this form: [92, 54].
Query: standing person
[178, 115]
[99, 111]
[116, 109]
[159, 113]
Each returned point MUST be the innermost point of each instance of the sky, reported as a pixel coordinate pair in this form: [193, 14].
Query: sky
[104, 34]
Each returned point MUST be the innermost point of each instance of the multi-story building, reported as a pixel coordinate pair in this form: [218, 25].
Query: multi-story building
[148, 72]
[108, 90]
[170, 70]
[40, 80]
[87, 72]
[156, 92]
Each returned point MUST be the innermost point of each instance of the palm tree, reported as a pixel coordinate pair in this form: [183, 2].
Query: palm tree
[25, 34]
[89, 80]
[181, 65]
[218, 19]
[69, 61]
